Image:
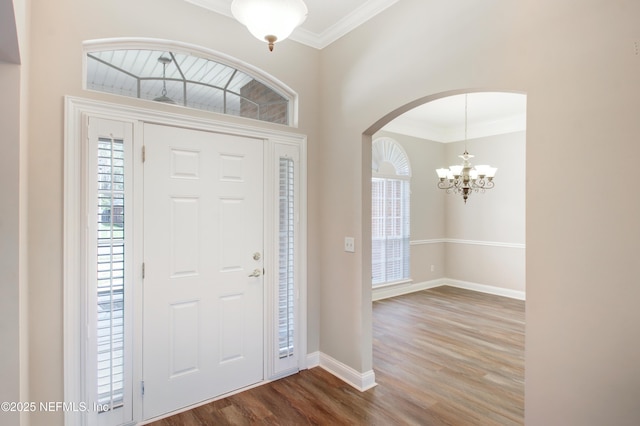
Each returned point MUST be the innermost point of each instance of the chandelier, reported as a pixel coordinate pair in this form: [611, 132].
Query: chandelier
[465, 178]
[270, 20]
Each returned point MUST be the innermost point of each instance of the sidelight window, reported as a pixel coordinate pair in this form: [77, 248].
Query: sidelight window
[110, 272]
[109, 283]
[285, 337]
[286, 276]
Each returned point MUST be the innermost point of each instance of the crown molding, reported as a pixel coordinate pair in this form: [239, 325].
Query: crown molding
[424, 130]
[345, 25]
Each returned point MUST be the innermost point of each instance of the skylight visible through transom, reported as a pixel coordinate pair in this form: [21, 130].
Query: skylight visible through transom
[186, 80]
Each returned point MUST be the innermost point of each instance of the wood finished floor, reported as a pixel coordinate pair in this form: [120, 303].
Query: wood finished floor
[444, 356]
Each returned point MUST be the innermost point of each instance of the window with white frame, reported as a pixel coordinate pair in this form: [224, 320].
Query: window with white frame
[390, 219]
[286, 270]
[287, 249]
[110, 272]
[109, 286]
[182, 78]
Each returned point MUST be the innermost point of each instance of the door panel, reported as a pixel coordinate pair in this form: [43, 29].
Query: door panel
[203, 303]
[184, 229]
[184, 336]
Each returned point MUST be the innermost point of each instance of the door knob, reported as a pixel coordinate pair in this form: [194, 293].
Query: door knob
[256, 273]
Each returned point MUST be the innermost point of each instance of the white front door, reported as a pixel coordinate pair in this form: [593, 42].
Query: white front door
[203, 265]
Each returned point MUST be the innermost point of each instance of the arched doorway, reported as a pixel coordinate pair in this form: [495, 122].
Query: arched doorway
[430, 247]
[452, 241]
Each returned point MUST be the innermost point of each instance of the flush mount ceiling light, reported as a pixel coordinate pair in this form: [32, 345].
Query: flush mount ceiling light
[465, 178]
[270, 20]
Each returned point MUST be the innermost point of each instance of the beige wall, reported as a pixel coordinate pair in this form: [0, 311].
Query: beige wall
[486, 265]
[59, 28]
[498, 216]
[577, 62]
[10, 238]
[13, 208]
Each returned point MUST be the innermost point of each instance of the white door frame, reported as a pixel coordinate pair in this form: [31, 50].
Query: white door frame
[77, 111]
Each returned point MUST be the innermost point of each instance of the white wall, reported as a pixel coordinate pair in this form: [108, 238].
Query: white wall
[578, 64]
[58, 30]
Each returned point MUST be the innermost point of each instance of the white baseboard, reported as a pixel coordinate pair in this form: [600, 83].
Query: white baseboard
[361, 381]
[482, 288]
[313, 359]
[406, 288]
[385, 292]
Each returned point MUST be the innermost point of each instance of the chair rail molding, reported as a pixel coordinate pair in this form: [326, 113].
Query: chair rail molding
[468, 242]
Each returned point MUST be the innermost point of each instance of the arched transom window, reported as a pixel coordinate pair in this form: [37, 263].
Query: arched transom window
[181, 75]
[390, 204]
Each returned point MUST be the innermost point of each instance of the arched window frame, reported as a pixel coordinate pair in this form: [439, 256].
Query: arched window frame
[198, 51]
[390, 213]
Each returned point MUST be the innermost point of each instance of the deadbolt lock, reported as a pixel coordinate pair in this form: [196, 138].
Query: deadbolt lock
[256, 256]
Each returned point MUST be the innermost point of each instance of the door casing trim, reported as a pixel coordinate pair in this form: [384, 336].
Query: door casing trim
[77, 111]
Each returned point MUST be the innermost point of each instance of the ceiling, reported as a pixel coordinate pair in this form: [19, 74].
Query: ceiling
[328, 20]
[443, 120]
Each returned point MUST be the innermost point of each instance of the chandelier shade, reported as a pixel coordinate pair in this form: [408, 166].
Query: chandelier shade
[270, 20]
[463, 179]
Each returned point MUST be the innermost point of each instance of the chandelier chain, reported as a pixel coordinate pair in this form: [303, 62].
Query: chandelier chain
[465, 121]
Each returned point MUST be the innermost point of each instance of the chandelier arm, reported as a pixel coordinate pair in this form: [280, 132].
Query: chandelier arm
[482, 183]
[478, 183]
[446, 185]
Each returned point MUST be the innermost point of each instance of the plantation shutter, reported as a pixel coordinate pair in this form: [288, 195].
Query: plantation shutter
[110, 272]
[390, 230]
[286, 245]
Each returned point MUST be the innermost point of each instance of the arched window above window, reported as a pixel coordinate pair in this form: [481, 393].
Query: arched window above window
[185, 75]
[389, 159]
